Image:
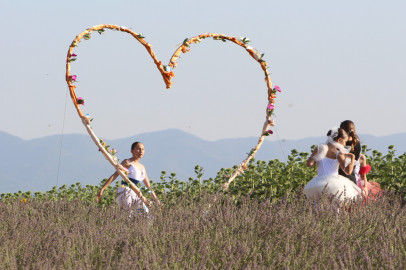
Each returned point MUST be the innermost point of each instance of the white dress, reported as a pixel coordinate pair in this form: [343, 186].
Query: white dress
[126, 196]
[329, 180]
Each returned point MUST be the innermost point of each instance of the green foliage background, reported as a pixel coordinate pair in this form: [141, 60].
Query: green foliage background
[261, 180]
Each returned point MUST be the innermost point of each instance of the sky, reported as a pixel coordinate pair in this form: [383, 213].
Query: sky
[334, 60]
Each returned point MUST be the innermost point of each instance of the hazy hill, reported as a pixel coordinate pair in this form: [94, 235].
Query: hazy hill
[33, 164]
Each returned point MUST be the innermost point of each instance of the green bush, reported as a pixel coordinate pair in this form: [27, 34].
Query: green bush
[272, 179]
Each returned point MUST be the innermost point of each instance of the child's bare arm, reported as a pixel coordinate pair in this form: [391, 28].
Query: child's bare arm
[311, 161]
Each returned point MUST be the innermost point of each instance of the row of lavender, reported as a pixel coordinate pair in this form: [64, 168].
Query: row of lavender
[288, 233]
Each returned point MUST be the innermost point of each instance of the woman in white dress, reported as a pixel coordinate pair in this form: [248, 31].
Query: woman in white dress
[329, 157]
[126, 196]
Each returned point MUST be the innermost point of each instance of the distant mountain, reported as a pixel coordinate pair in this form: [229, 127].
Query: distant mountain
[33, 164]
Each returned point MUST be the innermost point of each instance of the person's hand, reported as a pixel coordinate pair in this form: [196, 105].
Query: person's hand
[99, 195]
[159, 202]
[366, 191]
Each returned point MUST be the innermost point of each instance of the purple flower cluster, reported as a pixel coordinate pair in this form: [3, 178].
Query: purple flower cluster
[291, 232]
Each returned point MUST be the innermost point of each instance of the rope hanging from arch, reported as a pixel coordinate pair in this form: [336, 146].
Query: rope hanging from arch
[167, 74]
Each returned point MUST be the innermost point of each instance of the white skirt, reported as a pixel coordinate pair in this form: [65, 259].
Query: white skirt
[338, 185]
[126, 197]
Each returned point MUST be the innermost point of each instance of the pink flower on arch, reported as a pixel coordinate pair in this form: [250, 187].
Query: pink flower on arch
[267, 133]
[271, 107]
[81, 101]
[73, 78]
[277, 88]
[73, 55]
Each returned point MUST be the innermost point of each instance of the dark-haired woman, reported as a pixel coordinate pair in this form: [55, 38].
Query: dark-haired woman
[126, 196]
[354, 146]
[359, 174]
[329, 157]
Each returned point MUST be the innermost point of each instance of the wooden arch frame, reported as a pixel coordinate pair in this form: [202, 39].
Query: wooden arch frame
[167, 74]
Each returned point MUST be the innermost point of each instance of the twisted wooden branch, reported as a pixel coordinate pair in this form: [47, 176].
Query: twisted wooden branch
[167, 74]
[85, 120]
[256, 55]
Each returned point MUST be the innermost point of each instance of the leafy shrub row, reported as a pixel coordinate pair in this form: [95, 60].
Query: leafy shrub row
[261, 180]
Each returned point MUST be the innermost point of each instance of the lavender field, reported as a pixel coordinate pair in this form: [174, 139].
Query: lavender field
[288, 233]
[263, 221]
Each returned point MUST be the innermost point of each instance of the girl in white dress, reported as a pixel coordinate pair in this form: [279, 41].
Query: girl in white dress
[329, 157]
[126, 196]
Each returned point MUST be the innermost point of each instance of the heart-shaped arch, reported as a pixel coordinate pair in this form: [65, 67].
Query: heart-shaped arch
[167, 74]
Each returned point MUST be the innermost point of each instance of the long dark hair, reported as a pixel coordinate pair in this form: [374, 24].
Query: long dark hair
[349, 126]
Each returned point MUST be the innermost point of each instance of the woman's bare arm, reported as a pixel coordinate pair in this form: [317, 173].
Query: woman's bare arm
[148, 185]
[311, 161]
[341, 160]
[363, 163]
[125, 163]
